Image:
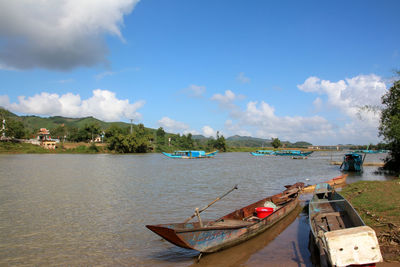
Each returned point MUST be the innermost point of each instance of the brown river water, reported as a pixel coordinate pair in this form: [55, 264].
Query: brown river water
[85, 210]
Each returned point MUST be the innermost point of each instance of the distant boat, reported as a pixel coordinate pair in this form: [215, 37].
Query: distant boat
[233, 228]
[263, 153]
[334, 182]
[352, 162]
[190, 154]
[298, 153]
[367, 151]
[338, 234]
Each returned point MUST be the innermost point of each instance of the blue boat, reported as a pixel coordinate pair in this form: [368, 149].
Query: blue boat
[352, 162]
[263, 153]
[190, 154]
[292, 153]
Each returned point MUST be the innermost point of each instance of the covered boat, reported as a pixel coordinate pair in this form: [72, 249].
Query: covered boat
[352, 162]
[338, 232]
[233, 228]
[190, 154]
[263, 153]
[292, 153]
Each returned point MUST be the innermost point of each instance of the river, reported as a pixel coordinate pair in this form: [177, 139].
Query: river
[79, 209]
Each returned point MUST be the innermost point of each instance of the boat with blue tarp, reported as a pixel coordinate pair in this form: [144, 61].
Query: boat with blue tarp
[190, 154]
[352, 162]
[263, 153]
[293, 153]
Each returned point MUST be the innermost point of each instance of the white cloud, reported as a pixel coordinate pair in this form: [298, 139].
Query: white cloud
[58, 34]
[208, 131]
[349, 95]
[195, 90]
[225, 100]
[347, 123]
[173, 126]
[242, 78]
[103, 105]
[104, 74]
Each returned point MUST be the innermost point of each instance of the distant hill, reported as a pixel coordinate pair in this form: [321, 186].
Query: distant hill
[34, 123]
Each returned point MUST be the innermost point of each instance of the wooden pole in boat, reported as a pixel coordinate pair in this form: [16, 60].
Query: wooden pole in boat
[206, 207]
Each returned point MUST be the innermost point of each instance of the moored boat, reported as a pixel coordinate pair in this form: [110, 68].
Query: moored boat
[352, 162]
[341, 236]
[297, 153]
[337, 181]
[263, 153]
[233, 228]
[190, 154]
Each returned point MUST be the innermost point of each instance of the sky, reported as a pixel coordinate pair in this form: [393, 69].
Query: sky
[295, 70]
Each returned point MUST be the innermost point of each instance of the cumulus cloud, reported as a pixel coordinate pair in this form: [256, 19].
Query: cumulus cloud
[242, 78]
[103, 104]
[349, 95]
[195, 90]
[347, 123]
[173, 126]
[208, 131]
[58, 35]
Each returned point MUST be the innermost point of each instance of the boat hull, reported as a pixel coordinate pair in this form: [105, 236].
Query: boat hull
[339, 232]
[190, 155]
[209, 239]
[231, 229]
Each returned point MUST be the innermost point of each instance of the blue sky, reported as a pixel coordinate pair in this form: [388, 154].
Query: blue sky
[287, 69]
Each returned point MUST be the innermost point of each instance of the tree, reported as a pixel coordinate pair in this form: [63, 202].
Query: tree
[390, 126]
[92, 129]
[276, 142]
[15, 129]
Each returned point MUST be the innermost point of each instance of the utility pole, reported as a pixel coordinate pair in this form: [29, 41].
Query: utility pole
[131, 125]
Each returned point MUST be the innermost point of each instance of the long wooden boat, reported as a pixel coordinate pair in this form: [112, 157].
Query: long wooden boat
[190, 154]
[231, 229]
[341, 236]
[263, 153]
[352, 162]
[293, 153]
[337, 181]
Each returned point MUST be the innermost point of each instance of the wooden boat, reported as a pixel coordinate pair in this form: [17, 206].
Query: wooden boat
[334, 182]
[338, 232]
[190, 154]
[231, 229]
[263, 153]
[298, 153]
[352, 162]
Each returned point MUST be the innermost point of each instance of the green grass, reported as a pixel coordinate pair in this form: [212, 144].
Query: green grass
[381, 198]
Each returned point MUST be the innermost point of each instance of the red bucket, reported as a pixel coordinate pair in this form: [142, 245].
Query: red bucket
[263, 212]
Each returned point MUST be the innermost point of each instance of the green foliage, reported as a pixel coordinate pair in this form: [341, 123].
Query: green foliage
[276, 143]
[219, 143]
[390, 126]
[137, 142]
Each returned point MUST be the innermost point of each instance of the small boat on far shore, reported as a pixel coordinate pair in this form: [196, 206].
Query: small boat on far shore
[338, 233]
[190, 154]
[337, 181]
[294, 153]
[263, 153]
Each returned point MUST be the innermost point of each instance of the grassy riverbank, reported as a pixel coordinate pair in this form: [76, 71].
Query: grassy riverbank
[378, 203]
[25, 148]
